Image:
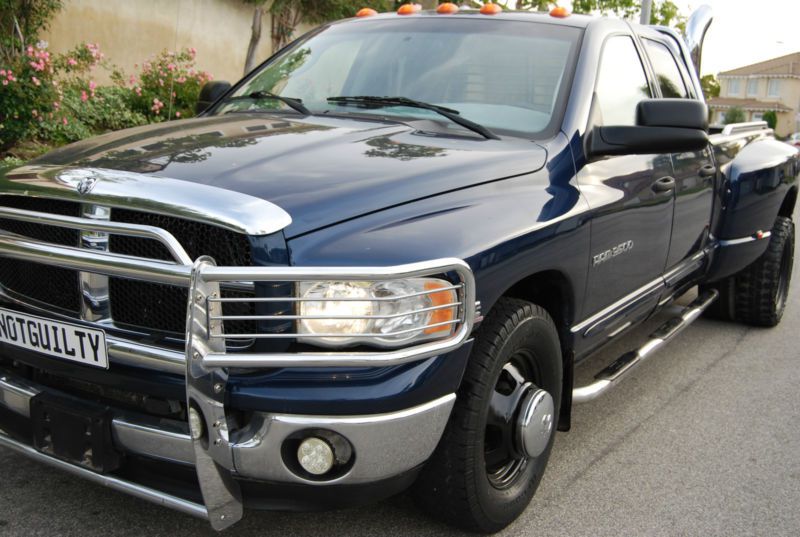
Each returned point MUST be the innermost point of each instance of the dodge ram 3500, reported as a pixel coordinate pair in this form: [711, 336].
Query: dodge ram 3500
[374, 263]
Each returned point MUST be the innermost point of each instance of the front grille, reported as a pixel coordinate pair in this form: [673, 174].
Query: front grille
[227, 247]
[150, 306]
[41, 283]
[56, 235]
[140, 306]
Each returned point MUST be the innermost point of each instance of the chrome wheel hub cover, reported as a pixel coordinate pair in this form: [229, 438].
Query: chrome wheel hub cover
[535, 422]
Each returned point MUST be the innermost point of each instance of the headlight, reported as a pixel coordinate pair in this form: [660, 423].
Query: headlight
[385, 313]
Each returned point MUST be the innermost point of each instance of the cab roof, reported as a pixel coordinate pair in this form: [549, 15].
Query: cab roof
[573, 20]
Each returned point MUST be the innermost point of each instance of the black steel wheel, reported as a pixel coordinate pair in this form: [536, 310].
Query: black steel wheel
[495, 448]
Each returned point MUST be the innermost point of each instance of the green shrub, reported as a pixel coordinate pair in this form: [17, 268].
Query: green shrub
[734, 115]
[106, 110]
[21, 22]
[8, 163]
[168, 75]
[33, 89]
[27, 95]
[771, 117]
[52, 99]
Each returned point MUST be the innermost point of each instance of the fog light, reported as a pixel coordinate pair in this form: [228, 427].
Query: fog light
[195, 424]
[315, 456]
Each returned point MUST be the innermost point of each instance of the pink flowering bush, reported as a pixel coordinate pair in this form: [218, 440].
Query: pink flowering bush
[54, 98]
[28, 95]
[167, 86]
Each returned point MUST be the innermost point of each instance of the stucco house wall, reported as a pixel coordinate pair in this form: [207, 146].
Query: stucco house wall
[129, 32]
[770, 85]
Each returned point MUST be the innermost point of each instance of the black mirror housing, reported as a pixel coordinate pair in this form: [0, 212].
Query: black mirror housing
[210, 93]
[645, 140]
[662, 126]
[679, 113]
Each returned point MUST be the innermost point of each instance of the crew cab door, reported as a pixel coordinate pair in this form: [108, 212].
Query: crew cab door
[631, 203]
[694, 172]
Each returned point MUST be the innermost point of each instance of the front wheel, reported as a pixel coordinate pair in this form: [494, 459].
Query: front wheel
[496, 445]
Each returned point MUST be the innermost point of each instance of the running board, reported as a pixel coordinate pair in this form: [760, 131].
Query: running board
[611, 375]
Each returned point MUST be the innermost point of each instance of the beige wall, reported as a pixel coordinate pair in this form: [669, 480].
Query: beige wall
[790, 96]
[130, 31]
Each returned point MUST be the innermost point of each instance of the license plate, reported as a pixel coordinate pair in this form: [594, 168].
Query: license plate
[54, 338]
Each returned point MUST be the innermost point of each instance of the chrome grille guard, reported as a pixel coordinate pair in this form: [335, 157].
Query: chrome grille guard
[205, 358]
[203, 275]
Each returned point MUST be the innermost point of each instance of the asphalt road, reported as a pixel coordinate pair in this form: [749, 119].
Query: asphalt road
[703, 439]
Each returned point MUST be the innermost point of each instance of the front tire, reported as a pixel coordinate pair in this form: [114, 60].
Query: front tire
[480, 477]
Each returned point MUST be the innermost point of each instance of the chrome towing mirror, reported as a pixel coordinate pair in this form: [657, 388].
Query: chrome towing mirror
[696, 29]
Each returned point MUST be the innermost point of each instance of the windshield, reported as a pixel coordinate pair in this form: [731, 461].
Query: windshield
[508, 76]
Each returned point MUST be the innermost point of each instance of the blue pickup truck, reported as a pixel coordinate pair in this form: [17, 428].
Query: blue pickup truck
[374, 263]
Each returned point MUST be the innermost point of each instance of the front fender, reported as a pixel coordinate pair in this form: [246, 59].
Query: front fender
[506, 231]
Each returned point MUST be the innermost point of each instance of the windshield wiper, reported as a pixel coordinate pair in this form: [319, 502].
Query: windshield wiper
[449, 113]
[294, 104]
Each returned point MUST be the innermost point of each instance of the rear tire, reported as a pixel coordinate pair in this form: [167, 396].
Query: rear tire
[758, 294]
[477, 479]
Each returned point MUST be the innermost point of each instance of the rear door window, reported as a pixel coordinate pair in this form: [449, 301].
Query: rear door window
[666, 70]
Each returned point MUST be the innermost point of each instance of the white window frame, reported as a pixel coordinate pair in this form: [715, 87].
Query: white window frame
[731, 82]
[773, 84]
[757, 116]
[753, 81]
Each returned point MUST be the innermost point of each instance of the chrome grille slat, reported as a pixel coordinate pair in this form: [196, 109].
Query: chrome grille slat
[332, 317]
[80, 259]
[311, 335]
[100, 226]
[301, 299]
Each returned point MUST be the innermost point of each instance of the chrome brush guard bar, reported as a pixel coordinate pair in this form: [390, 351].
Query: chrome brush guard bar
[205, 361]
[203, 275]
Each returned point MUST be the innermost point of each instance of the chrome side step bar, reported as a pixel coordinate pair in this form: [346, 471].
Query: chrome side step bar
[611, 374]
[134, 489]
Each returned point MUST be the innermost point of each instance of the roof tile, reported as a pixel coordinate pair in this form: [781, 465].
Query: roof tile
[746, 104]
[784, 65]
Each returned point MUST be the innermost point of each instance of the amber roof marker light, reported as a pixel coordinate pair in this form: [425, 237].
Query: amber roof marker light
[448, 8]
[409, 9]
[559, 12]
[366, 12]
[490, 8]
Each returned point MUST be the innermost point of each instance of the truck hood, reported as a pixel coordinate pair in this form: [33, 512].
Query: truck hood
[321, 170]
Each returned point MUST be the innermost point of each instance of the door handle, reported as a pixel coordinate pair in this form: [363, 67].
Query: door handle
[665, 184]
[709, 170]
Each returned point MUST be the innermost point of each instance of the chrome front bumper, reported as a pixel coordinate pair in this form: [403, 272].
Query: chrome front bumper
[387, 445]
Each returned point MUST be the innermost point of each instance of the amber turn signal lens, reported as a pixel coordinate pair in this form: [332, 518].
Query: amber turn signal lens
[366, 12]
[448, 8]
[491, 9]
[444, 315]
[409, 9]
[559, 12]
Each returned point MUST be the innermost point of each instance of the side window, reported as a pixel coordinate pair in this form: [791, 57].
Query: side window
[621, 82]
[667, 73]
